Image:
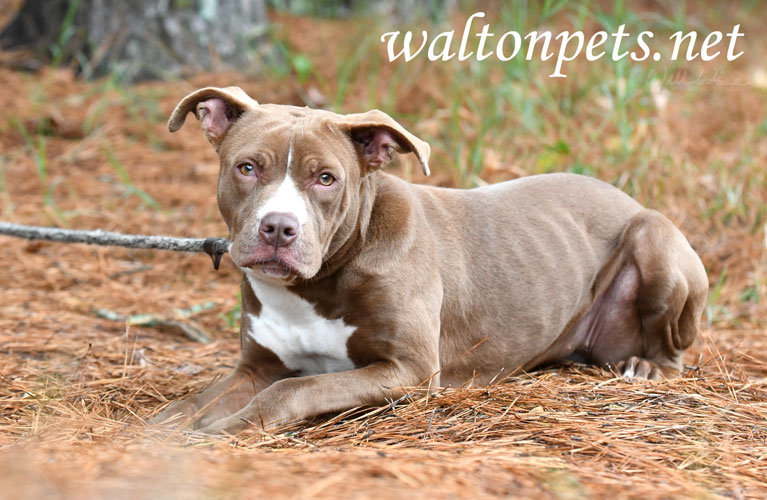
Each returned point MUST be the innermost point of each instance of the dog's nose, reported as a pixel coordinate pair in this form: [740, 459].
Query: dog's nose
[278, 229]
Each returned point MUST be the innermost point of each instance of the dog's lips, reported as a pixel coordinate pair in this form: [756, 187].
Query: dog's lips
[274, 267]
[267, 260]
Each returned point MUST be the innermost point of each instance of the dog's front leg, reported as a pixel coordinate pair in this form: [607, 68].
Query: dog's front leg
[224, 397]
[257, 369]
[303, 397]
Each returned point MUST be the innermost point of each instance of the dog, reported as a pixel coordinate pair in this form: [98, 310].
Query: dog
[358, 284]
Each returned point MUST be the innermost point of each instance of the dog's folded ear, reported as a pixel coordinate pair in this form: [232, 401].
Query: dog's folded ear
[216, 108]
[377, 135]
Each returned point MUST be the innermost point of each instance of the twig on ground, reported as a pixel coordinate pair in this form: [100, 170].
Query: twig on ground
[190, 331]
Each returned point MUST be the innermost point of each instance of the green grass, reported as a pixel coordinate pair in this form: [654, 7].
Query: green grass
[715, 311]
[59, 49]
[527, 101]
[127, 184]
[36, 147]
[7, 209]
[517, 99]
[231, 318]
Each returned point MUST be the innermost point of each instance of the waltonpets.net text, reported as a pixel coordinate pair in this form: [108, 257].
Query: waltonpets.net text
[509, 45]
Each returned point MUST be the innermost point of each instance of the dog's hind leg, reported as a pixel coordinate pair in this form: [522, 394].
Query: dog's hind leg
[650, 311]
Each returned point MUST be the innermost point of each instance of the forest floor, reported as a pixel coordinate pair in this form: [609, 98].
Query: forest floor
[76, 389]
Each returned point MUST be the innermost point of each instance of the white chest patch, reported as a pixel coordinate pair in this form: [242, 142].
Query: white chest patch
[303, 340]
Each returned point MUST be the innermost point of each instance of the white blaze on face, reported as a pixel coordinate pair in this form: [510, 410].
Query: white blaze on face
[287, 199]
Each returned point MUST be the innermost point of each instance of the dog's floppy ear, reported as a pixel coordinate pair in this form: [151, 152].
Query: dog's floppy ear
[377, 135]
[216, 108]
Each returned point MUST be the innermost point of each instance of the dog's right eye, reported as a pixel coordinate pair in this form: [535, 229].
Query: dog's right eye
[247, 169]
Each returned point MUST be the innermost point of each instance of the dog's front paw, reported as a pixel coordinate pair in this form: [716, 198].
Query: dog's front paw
[180, 414]
[640, 368]
[227, 425]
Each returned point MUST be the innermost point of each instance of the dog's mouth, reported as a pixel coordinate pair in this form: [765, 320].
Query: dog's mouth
[278, 264]
[275, 267]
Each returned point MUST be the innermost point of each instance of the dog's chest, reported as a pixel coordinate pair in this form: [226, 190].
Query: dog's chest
[303, 340]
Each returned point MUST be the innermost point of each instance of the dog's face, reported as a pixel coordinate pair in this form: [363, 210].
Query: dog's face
[290, 177]
[283, 188]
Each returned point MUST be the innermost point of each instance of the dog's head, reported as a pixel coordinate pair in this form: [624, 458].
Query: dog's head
[290, 177]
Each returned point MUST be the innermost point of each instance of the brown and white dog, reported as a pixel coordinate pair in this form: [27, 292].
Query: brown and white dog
[357, 283]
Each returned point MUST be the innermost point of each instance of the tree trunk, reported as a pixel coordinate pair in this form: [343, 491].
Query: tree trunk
[396, 10]
[142, 39]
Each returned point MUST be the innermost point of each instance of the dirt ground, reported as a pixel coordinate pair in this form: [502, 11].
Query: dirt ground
[76, 388]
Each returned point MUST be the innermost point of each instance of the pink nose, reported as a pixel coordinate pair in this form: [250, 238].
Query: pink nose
[278, 229]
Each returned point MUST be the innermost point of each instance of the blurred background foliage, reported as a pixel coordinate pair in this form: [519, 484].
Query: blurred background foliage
[687, 138]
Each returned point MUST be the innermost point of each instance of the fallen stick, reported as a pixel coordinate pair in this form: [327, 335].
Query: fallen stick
[215, 247]
[189, 330]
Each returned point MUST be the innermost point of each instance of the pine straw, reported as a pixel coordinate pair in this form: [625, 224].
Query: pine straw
[75, 389]
[72, 424]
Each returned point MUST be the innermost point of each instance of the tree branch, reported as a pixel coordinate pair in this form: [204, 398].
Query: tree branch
[215, 247]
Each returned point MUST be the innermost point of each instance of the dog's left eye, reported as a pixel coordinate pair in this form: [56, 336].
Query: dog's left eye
[326, 179]
[247, 169]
